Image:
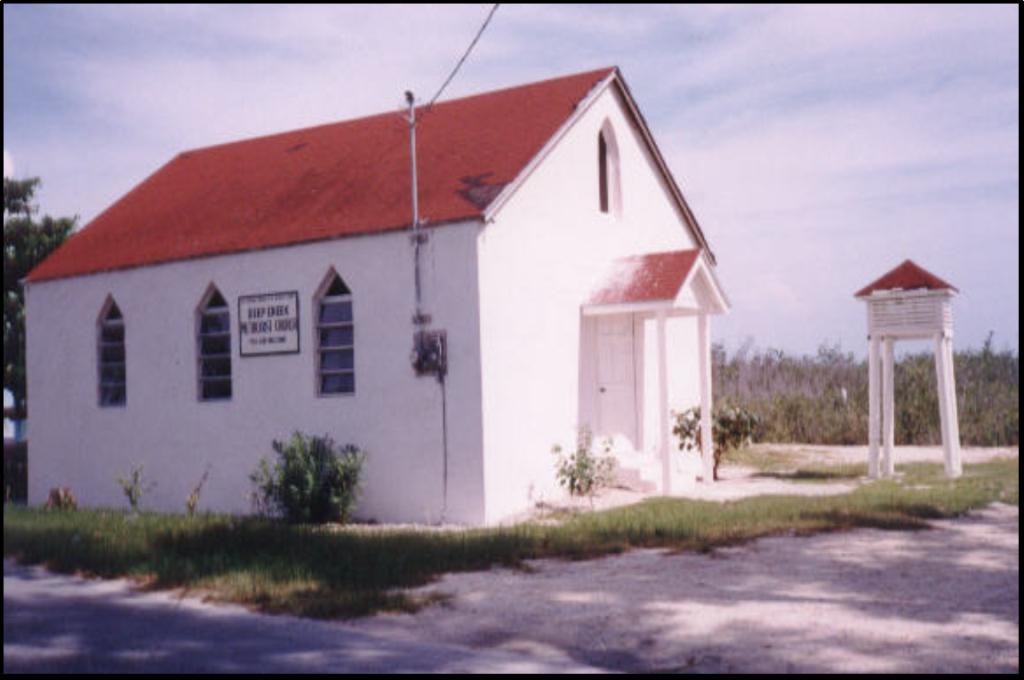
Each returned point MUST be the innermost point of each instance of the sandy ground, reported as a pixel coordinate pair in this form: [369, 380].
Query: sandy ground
[944, 600]
[736, 481]
[902, 454]
[58, 624]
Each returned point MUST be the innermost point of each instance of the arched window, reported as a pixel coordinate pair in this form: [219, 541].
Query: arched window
[213, 346]
[602, 170]
[608, 178]
[335, 333]
[110, 351]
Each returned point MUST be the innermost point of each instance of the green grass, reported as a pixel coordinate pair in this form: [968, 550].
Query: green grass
[792, 466]
[342, 572]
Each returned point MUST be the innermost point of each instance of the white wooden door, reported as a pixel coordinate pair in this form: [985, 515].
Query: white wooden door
[616, 379]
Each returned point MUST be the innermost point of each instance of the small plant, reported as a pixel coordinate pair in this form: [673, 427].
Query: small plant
[192, 502]
[134, 487]
[262, 495]
[732, 427]
[311, 482]
[581, 472]
[61, 498]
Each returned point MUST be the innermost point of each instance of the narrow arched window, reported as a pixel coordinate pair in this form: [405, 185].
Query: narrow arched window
[110, 349]
[602, 171]
[335, 332]
[213, 346]
[609, 180]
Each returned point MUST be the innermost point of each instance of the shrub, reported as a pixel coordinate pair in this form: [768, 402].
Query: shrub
[581, 472]
[311, 482]
[731, 428]
[61, 498]
[133, 487]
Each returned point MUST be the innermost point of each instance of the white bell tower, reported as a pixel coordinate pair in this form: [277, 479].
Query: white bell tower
[908, 303]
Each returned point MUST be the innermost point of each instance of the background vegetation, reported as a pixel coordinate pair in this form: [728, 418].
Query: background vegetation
[823, 399]
[27, 242]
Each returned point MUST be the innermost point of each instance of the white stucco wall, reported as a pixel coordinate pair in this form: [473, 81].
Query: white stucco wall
[538, 260]
[393, 415]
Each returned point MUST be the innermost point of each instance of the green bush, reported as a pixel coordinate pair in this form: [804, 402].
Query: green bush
[311, 482]
[731, 428]
[581, 472]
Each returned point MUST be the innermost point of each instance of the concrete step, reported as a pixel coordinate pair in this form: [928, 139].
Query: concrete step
[633, 479]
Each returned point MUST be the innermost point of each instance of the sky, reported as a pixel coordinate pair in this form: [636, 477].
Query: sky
[819, 146]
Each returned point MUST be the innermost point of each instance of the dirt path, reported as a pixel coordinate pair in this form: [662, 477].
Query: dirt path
[826, 454]
[944, 600]
[66, 624]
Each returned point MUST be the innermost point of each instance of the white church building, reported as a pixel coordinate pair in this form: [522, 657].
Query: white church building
[248, 290]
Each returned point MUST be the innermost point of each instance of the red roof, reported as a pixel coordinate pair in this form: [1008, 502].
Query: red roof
[646, 278]
[325, 182]
[907, 276]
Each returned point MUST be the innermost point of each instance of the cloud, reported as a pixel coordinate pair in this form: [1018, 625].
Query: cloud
[8, 165]
[819, 146]
[127, 90]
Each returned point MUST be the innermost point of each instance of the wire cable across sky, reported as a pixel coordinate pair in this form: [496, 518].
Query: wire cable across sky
[466, 54]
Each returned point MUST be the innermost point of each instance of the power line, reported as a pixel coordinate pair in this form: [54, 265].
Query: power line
[466, 54]
[429, 107]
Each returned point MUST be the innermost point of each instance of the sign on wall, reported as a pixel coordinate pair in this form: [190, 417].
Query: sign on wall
[268, 324]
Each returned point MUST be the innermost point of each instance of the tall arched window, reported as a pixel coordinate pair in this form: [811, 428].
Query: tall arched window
[335, 332]
[609, 182]
[602, 171]
[110, 350]
[213, 346]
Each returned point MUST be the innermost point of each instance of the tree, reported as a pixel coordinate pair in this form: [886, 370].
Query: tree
[731, 428]
[26, 243]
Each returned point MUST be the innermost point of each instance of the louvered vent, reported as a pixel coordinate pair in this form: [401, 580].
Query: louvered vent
[911, 315]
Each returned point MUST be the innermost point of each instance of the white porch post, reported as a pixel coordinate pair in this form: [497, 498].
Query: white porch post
[666, 468]
[874, 408]
[706, 433]
[955, 468]
[888, 409]
[940, 382]
[947, 404]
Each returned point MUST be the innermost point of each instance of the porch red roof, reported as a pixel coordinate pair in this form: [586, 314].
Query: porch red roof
[325, 182]
[646, 278]
[907, 276]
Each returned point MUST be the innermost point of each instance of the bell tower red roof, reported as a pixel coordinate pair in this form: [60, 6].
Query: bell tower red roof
[907, 276]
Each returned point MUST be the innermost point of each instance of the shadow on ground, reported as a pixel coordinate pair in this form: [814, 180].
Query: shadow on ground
[943, 600]
[58, 624]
